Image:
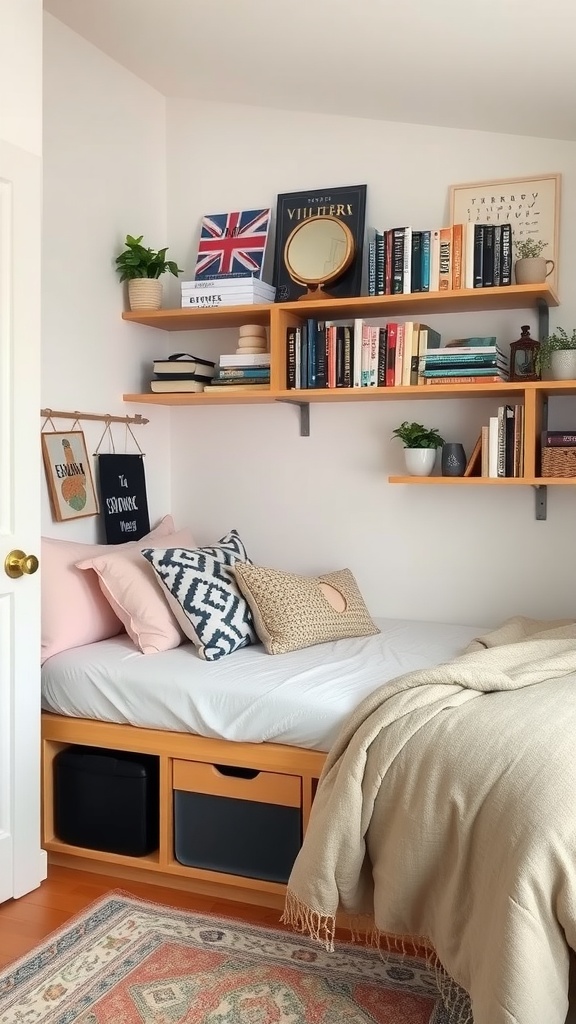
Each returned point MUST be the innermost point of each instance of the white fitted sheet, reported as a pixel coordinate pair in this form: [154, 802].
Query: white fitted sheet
[301, 698]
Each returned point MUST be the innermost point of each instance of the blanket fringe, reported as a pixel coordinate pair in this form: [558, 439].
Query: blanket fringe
[322, 928]
[301, 918]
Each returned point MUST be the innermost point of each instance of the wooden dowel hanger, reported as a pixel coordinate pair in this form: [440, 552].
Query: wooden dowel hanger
[59, 414]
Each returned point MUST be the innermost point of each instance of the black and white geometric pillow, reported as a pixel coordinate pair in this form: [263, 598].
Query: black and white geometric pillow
[201, 590]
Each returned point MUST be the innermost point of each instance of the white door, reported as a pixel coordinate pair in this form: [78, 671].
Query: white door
[22, 863]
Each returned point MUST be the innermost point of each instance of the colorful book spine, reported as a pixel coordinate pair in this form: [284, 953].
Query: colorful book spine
[558, 439]
[471, 379]
[445, 271]
[425, 262]
[253, 371]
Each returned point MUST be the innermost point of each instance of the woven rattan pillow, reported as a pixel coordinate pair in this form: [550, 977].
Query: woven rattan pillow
[291, 612]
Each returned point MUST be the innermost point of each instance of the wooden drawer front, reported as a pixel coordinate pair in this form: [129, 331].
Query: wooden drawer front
[264, 788]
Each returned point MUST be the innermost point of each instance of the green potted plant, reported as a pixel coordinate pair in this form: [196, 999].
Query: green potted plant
[557, 353]
[420, 444]
[142, 268]
[530, 266]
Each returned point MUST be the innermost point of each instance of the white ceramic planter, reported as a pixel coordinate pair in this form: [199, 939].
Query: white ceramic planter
[420, 461]
[532, 270]
[563, 364]
[145, 293]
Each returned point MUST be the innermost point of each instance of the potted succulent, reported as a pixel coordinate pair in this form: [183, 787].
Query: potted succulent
[530, 266]
[420, 444]
[142, 267]
[557, 353]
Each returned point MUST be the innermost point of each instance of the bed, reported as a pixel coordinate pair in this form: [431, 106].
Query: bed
[445, 815]
[277, 716]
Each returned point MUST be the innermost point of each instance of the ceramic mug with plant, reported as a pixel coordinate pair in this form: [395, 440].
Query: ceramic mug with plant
[557, 355]
[420, 445]
[142, 267]
[530, 266]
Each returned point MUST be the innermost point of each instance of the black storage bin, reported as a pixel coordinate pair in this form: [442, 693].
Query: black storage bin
[240, 837]
[107, 800]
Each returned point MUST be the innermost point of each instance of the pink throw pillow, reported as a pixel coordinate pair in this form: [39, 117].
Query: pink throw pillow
[74, 609]
[128, 582]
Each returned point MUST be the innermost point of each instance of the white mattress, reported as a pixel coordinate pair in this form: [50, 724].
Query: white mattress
[301, 698]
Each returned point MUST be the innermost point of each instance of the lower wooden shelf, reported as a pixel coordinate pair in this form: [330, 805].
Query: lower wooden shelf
[475, 481]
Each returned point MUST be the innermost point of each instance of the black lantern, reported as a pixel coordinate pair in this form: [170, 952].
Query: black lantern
[523, 357]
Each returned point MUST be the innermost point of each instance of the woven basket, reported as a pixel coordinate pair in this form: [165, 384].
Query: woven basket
[558, 461]
[145, 293]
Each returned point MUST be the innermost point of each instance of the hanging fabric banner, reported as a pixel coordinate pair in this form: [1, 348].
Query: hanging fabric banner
[124, 503]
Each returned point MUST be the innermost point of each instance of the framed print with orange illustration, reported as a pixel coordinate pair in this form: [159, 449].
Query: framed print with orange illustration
[68, 474]
[531, 205]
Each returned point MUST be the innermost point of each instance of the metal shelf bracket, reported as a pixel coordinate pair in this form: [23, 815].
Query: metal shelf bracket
[304, 414]
[543, 319]
[541, 492]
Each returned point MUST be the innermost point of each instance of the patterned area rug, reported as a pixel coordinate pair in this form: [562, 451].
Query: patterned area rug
[125, 961]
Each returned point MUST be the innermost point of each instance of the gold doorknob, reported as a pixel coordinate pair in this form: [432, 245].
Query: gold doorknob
[17, 564]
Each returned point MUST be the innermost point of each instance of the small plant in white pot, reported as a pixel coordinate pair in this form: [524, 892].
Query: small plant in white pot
[420, 445]
[142, 268]
[530, 266]
[557, 354]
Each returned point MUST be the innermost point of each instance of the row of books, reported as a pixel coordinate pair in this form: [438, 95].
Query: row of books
[320, 354]
[500, 447]
[402, 260]
[236, 291]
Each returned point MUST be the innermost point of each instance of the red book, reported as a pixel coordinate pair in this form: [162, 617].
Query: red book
[391, 338]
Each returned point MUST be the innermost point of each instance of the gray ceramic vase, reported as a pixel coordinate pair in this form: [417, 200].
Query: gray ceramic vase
[453, 459]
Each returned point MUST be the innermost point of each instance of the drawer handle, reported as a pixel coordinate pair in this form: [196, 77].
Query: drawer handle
[237, 773]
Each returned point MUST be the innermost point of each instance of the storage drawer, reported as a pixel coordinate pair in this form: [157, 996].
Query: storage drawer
[247, 824]
[239, 783]
[106, 800]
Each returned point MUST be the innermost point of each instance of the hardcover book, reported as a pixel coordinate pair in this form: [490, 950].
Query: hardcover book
[232, 245]
[348, 203]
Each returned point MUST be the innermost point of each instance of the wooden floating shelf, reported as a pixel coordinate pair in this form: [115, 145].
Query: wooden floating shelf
[327, 395]
[201, 319]
[517, 296]
[501, 481]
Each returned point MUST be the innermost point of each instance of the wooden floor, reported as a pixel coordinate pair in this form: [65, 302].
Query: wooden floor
[25, 922]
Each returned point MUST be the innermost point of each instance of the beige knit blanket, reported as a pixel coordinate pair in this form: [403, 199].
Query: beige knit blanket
[446, 813]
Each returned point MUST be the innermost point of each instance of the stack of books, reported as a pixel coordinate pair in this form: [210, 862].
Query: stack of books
[249, 371]
[181, 372]
[466, 361]
[228, 291]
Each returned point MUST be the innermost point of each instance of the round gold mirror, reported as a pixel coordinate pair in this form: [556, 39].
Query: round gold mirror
[318, 251]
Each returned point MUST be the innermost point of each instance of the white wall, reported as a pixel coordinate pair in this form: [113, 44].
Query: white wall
[21, 69]
[316, 504]
[104, 177]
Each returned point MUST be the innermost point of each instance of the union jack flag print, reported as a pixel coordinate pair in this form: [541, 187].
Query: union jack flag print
[232, 244]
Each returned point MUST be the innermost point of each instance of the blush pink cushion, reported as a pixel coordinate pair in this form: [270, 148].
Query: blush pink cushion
[74, 609]
[129, 584]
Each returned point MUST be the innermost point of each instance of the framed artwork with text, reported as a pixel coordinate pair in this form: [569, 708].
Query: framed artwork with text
[68, 475]
[531, 205]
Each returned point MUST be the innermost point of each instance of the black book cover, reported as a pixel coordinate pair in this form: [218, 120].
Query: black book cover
[478, 255]
[398, 261]
[348, 203]
[416, 261]
[488, 257]
[506, 255]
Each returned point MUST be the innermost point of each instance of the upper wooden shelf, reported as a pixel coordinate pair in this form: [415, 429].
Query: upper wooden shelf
[516, 296]
[201, 319]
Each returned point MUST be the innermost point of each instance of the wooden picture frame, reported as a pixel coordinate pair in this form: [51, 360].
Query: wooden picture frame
[531, 204]
[68, 474]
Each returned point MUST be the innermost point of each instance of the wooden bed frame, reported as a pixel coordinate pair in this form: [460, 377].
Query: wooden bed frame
[288, 777]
